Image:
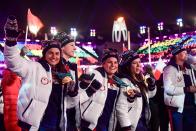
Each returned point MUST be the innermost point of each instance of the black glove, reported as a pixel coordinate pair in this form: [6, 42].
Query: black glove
[94, 86]
[137, 93]
[151, 83]
[72, 89]
[11, 30]
[131, 98]
[87, 76]
[85, 80]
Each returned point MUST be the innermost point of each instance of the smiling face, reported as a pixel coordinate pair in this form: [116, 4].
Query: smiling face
[52, 56]
[110, 65]
[135, 66]
[68, 50]
[182, 56]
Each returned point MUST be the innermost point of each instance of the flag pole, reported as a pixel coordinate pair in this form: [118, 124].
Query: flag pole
[149, 42]
[45, 36]
[26, 35]
[129, 41]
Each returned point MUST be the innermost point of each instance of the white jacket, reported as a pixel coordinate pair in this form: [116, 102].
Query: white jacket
[92, 107]
[173, 82]
[128, 114]
[35, 90]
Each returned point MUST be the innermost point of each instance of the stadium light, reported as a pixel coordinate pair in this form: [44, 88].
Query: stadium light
[142, 29]
[53, 30]
[74, 32]
[160, 26]
[93, 32]
[179, 22]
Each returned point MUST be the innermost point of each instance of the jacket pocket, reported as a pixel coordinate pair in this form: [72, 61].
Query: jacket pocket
[27, 107]
[87, 108]
[174, 101]
[92, 112]
[34, 112]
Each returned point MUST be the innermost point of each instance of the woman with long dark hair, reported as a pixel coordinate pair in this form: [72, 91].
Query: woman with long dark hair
[41, 101]
[133, 110]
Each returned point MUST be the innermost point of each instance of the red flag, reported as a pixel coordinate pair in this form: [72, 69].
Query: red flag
[159, 69]
[34, 23]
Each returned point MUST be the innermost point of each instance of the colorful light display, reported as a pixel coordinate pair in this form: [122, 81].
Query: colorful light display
[36, 51]
[159, 48]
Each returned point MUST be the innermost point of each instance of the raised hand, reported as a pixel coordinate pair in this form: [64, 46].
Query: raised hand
[11, 29]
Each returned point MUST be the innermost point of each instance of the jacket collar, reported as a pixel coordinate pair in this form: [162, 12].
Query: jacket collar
[101, 70]
[44, 64]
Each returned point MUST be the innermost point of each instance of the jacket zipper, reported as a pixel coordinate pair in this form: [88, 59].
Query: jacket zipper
[87, 107]
[129, 109]
[27, 107]
[62, 107]
[113, 127]
[192, 76]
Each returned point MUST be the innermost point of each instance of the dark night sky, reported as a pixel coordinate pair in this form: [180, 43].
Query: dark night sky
[99, 14]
